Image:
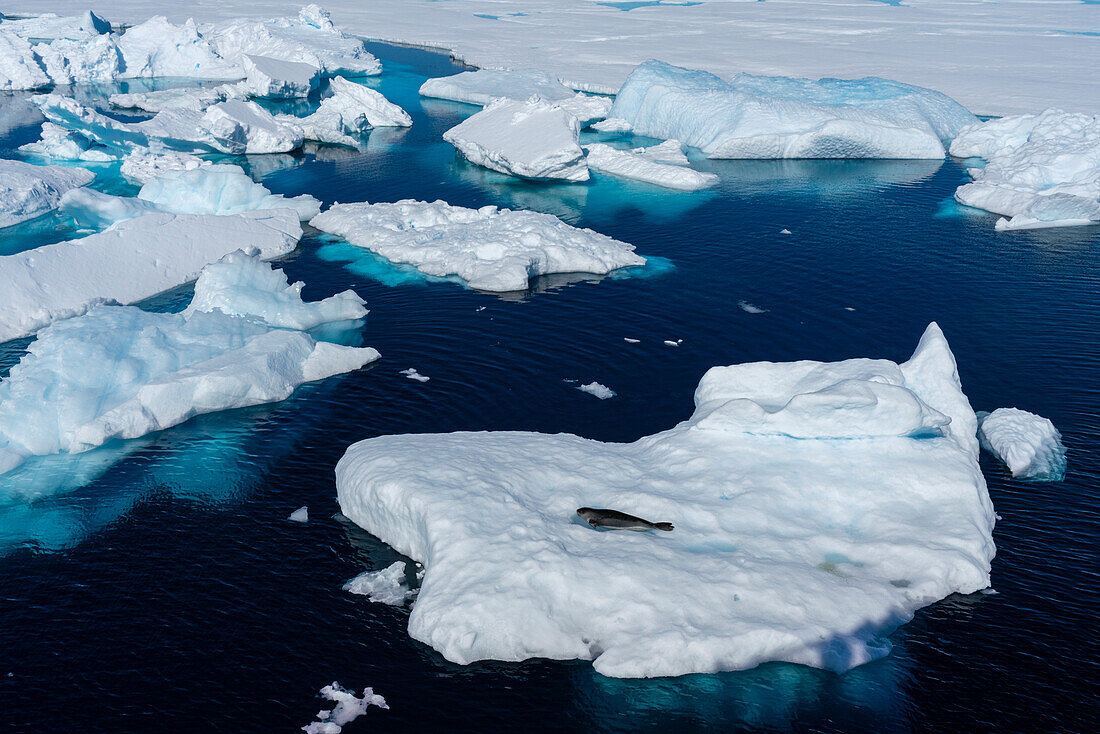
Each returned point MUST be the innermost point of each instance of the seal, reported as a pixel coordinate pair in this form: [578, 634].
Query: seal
[620, 520]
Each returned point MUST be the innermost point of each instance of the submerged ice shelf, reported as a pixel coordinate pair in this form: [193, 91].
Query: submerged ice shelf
[117, 372]
[808, 550]
[489, 248]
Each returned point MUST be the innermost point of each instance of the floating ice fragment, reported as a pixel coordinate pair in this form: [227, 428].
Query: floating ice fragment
[639, 166]
[299, 515]
[784, 231]
[348, 707]
[749, 308]
[613, 125]
[384, 587]
[628, 340]
[1028, 444]
[742, 581]
[412, 374]
[671, 343]
[532, 139]
[350, 111]
[270, 78]
[594, 388]
[489, 248]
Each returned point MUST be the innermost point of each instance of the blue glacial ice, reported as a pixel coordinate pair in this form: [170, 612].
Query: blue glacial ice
[28, 191]
[781, 117]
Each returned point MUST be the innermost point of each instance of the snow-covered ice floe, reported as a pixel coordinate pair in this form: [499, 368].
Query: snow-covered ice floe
[533, 139]
[781, 117]
[28, 191]
[1028, 444]
[603, 392]
[816, 506]
[489, 248]
[1043, 170]
[216, 189]
[348, 708]
[383, 587]
[656, 165]
[350, 111]
[142, 165]
[129, 262]
[279, 57]
[117, 372]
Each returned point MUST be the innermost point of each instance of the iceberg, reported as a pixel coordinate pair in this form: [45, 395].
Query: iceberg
[350, 111]
[532, 139]
[213, 189]
[780, 117]
[129, 262]
[157, 48]
[1043, 170]
[639, 166]
[277, 79]
[489, 248]
[1028, 444]
[28, 191]
[482, 86]
[807, 549]
[117, 372]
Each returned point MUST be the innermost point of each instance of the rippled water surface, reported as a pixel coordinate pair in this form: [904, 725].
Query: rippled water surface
[165, 590]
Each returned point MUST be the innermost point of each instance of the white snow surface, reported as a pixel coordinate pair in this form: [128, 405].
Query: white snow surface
[533, 139]
[807, 549]
[188, 98]
[348, 708]
[117, 372]
[59, 143]
[489, 248]
[80, 27]
[482, 86]
[1043, 170]
[1028, 444]
[142, 164]
[603, 392]
[241, 284]
[270, 78]
[639, 166]
[384, 587]
[131, 261]
[782, 117]
[28, 191]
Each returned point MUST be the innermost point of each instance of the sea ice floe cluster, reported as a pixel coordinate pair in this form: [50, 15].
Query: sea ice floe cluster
[348, 708]
[488, 248]
[1043, 170]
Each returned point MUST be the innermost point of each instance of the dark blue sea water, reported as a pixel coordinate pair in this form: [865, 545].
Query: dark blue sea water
[169, 593]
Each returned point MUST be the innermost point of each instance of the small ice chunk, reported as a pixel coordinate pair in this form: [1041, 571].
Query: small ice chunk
[613, 125]
[299, 515]
[781, 117]
[638, 166]
[482, 86]
[587, 108]
[594, 388]
[784, 231]
[1028, 444]
[28, 191]
[532, 139]
[670, 343]
[628, 340]
[490, 249]
[349, 707]
[749, 308]
[384, 587]
[412, 374]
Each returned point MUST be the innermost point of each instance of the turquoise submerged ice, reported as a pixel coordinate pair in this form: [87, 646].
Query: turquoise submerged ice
[781, 117]
[120, 372]
[782, 470]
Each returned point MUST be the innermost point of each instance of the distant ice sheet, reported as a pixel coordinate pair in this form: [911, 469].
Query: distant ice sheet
[817, 506]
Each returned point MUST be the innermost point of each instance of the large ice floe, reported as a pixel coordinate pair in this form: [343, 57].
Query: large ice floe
[659, 165]
[278, 57]
[215, 189]
[28, 191]
[489, 248]
[816, 507]
[1028, 444]
[129, 262]
[533, 139]
[1043, 170]
[118, 372]
[780, 117]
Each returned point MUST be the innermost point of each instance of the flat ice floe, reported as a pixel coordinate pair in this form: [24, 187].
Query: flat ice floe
[781, 117]
[1028, 444]
[383, 587]
[28, 191]
[129, 262]
[816, 507]
[489, 248]
[533, 139]
[117, 372]
[1043, 170]
[636, 165]
[215, 189]
[482, 86]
